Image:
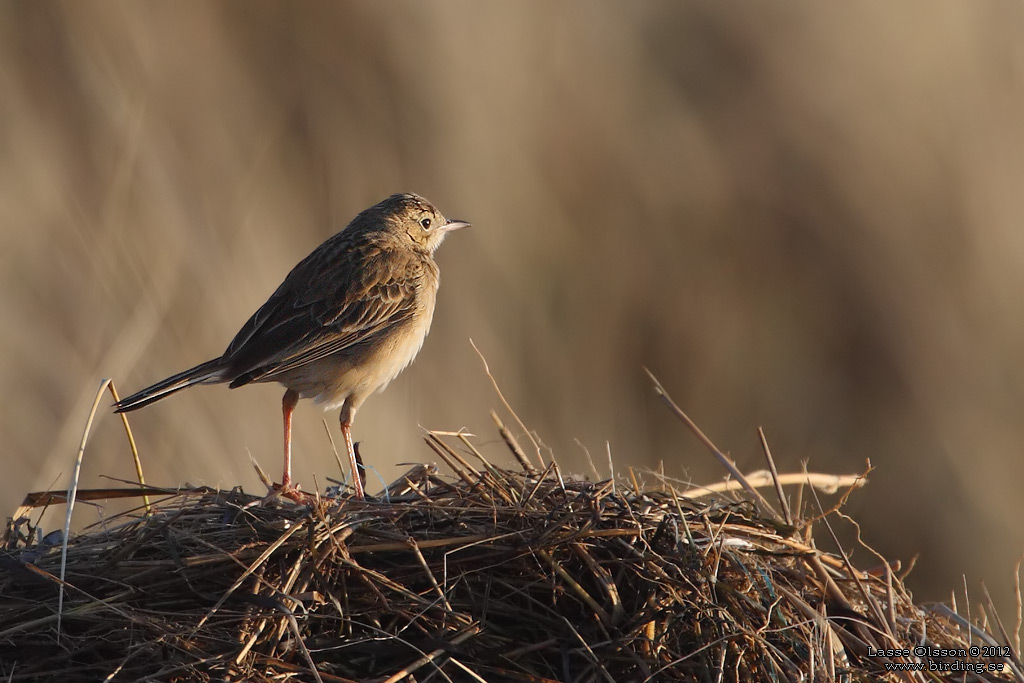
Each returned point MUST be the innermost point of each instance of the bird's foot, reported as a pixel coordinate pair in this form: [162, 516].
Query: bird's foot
[290, 491]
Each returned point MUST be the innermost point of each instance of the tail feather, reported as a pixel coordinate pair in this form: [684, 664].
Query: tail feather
[208, 372]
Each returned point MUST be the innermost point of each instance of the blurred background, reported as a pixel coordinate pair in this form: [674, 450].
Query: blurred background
[801, 217]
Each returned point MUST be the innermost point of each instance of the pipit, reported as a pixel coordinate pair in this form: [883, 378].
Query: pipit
[345, 321]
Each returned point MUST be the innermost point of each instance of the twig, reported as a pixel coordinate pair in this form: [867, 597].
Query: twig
[133, 447]
[76, 473]
[722, 457]
[775, 476]
[508, 407]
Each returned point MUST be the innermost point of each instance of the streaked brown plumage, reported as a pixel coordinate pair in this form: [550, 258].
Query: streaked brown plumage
[345, 321]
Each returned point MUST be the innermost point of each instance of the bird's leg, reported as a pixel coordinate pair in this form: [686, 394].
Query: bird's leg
[346, 431]
[287, 407]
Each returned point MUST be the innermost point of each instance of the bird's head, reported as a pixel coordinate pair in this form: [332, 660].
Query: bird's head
[413, 216]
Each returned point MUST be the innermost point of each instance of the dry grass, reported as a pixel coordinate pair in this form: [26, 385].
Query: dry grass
[490, 575]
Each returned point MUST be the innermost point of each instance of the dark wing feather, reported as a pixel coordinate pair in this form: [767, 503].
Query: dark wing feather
[342, 294]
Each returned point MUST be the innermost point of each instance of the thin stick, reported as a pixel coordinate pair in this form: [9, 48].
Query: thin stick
[775, 476]
[852, 573]
[512, 444]
[722, 457]
[270, 550]
[290, 616]
[334, 449]
[505, 403]
[995, 617]
[76, 474]
[827, 483]
[134, 449]
[611, 467]
[428, 658]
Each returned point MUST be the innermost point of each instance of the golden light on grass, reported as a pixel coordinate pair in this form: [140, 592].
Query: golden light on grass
[490, 574]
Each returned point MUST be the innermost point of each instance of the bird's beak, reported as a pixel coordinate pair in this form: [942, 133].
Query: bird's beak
[455, 225]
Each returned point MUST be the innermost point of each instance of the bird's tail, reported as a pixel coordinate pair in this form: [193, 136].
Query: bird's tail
[208, 372]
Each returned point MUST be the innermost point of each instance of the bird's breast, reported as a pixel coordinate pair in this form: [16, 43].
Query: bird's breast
[356, 373]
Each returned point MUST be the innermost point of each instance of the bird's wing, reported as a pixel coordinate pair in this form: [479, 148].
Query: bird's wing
[339, 296]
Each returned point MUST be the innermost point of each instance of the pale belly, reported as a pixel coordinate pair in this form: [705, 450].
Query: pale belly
[352, 376]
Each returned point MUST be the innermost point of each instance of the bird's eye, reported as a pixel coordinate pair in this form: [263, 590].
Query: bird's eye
[425, 223]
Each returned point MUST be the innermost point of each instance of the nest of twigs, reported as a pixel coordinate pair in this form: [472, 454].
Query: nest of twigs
[491, 575]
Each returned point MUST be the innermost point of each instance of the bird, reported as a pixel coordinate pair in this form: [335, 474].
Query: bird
[344, 322]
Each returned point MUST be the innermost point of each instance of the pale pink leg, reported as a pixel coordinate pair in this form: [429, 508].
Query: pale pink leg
[357, 481]
[287, 407]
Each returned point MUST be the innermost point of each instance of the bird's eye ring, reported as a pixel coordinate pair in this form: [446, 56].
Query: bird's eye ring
[425, 223]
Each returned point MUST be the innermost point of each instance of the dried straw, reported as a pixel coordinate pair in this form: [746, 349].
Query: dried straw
[490, 575]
